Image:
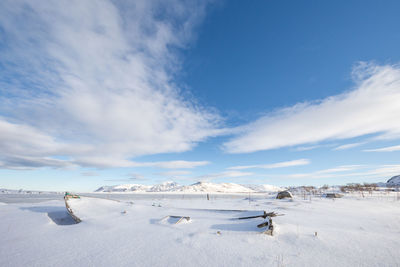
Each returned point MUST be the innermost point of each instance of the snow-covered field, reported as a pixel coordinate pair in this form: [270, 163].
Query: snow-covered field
[314, 231]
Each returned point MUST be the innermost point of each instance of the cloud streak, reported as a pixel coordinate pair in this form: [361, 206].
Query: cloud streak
[284, 164]
[348, 146]
[174, 173]
[378, 172]
[84, 79]
[384, 149]
[220, 175]
[372, 107]
[328, 173]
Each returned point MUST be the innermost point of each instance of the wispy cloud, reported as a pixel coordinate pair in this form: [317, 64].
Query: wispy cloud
[30, 163]
[84, 79]
[136, 176]
[226, 174]
[384, 149]
[326, 173]
[348, 146]
[106, 162]
[311, 147]
[283, 164]
[371, 108]
[177, 164]
[90, 173]
[306, 148]
[174, 173]
[380, 172]
[131, 177]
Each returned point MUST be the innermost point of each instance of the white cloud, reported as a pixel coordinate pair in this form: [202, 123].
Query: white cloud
[311, 147]
[90, 174]
[327, 173]
[306, 148]
[384, 149]
[379, 172]
[348, 146]
[136, 176]
[104, 162]
[29, 163]
[225, 174]
[349, 173]
[372, 107]
[283, 164]
[82, 79]
[176, 164]
[384, 171]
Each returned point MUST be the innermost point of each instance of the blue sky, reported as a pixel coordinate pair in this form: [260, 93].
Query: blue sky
[275, 92]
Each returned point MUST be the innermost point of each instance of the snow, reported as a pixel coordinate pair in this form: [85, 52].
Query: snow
[164, 187]
[196, 187]
[394, 181]
[215, 188]
[264, 188]
[356, 230]
[124, 188]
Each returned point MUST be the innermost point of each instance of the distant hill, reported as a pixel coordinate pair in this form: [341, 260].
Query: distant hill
[217, 188]
[264, 187]
[124, 188]
[394, 181]
[196, 187]
[164, 187]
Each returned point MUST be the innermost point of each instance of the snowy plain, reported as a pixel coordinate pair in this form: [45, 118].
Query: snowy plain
[356, 230]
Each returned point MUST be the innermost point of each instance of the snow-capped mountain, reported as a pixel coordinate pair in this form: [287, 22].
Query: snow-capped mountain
[218, 188]
[264, 187]
[164, 187]
[394, 181]
[196, 187]
[125, 188]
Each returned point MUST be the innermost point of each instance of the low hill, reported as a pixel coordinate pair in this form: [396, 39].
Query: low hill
[394, 181]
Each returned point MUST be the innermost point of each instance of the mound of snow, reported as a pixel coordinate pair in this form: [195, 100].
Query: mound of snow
[215, 188]
[88, 208]
[394, 181]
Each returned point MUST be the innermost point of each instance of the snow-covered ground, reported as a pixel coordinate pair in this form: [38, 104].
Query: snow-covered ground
[355, 230]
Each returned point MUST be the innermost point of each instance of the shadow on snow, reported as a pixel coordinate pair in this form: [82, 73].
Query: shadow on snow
[57, 214]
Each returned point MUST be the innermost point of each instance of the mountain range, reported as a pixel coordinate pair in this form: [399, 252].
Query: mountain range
[193, 188]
